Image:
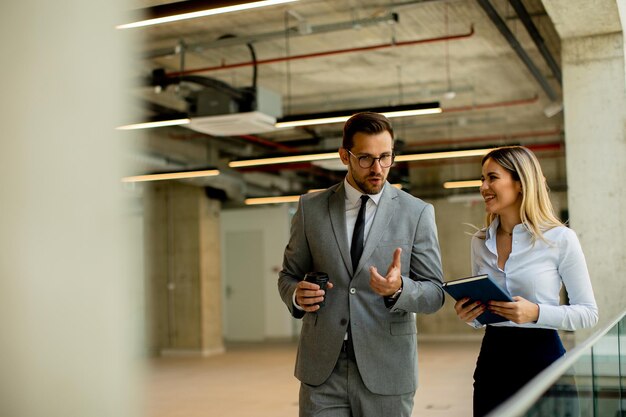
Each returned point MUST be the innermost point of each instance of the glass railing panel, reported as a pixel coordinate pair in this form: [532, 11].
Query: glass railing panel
[570, 395]
[606, 375]
[584, 383]
[622, 365]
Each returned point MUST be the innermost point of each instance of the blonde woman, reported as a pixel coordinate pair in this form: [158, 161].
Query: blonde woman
[528, 251]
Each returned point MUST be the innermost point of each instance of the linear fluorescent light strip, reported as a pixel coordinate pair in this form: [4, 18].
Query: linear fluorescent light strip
[202, 13]
[283, 160]
[338, 119]
[314, 190]
[172, 176]
[148, 125]
[335, 155]
[462, 184]
[311, 122]
[288, 198]
[272, 200]
[442, 155]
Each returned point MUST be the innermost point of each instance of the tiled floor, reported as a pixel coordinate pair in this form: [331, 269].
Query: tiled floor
[257, 380]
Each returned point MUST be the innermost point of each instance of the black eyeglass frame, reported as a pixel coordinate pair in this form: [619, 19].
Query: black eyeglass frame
[374, 159]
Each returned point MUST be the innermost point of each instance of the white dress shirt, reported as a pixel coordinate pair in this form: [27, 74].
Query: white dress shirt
[353, 205]
[537, 270]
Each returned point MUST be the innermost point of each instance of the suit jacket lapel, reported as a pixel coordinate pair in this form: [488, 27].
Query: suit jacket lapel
[337, 214]
[384, 213]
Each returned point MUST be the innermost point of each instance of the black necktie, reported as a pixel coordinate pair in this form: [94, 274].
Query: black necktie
[358, 236]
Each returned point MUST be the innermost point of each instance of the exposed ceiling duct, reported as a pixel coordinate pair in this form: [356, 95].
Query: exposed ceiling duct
[219, 109]
[218, 114]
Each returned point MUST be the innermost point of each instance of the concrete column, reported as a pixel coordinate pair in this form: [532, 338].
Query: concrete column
[595, 134]
[182, 269]
[210, 275]
[68, 344]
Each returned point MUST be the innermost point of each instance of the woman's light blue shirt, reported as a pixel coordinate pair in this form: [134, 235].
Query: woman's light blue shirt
[537, 270]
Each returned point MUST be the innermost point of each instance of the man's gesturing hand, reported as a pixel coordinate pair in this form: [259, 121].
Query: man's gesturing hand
[391, 282]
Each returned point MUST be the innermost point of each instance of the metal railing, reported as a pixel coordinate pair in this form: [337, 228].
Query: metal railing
[589, 381]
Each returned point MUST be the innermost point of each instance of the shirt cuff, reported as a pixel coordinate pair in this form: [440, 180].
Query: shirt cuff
[475, 324]
[390, 300]
[549, 316]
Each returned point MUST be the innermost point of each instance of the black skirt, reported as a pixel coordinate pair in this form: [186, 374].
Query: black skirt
[509, 358]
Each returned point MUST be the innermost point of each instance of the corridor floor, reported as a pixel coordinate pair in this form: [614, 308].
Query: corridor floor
[257, 380]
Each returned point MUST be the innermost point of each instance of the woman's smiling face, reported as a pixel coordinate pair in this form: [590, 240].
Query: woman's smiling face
[501, 192]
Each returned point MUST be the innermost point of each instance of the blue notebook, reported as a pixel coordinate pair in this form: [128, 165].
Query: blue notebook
[479, 288]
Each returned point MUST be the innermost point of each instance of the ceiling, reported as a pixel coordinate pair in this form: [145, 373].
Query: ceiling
[321, 58]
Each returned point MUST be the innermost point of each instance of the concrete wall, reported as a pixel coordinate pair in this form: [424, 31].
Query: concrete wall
[454, 220]
[209, 249]
[595, 123]
[594, 101]
[181, 237]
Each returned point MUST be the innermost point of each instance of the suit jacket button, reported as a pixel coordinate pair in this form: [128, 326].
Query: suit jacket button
[343, 322]
[352, 290]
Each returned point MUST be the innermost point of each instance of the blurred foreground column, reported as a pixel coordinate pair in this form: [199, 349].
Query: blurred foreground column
[595, 135]
[68, 342]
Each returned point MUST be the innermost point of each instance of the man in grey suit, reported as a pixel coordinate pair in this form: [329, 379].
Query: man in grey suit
[357, 354]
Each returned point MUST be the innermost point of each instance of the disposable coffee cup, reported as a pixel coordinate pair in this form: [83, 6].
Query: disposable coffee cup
[319, 278]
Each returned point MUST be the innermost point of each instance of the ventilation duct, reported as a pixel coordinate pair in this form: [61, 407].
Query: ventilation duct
[219, 109]
[217, 113]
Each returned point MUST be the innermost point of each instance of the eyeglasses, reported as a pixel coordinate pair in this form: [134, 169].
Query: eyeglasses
[367, 161]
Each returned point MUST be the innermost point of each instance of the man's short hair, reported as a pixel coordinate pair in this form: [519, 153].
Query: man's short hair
[366, 122]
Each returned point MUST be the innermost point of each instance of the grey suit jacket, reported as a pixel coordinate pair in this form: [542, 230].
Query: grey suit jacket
[384, 338]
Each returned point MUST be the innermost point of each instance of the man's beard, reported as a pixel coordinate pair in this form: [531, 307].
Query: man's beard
[367, 187]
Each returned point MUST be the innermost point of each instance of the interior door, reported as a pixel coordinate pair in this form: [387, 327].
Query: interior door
[245, 297]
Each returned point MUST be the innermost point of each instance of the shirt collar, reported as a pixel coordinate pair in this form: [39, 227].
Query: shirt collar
[519, 231]
[491, 231]
[353, 195]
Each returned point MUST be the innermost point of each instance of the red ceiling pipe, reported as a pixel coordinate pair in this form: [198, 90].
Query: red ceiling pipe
[299, 166]
[249, 138]
[546, 147]
[320, 54]
[269, 143]
[489, 138]
[539, 147]
[492, 105]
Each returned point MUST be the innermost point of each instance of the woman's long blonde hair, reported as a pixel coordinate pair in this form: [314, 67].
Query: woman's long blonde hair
[536, 210]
